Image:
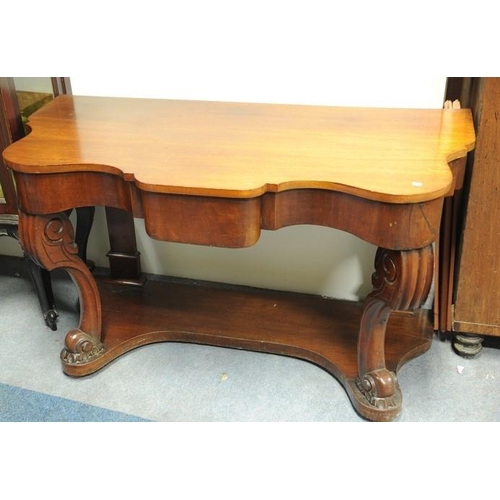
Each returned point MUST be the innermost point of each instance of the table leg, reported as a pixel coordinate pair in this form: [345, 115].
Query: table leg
[49, 240]
[124, 259]
[84, 221]
[401, 281]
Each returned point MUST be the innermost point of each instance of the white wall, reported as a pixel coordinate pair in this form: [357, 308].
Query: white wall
[323, 87]
[33, 84]
[267, 51]
[301, 258]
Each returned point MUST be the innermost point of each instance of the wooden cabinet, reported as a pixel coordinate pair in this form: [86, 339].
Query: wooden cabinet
[473, 308]
[10, 130]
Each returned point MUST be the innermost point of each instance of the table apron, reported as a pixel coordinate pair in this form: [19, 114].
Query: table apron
[234, 222]
[40, 194]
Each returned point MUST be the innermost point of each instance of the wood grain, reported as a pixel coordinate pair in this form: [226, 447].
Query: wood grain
[216, 174]
[477, 288]
[322, 331]
[244, 150]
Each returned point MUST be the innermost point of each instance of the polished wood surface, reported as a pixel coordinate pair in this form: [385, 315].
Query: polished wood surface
[11, 129]
[468, 296]
[219, 173]
[319, 330]
[477, 294]
[244, 150]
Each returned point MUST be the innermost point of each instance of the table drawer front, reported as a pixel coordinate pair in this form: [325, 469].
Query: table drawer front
[221, 222]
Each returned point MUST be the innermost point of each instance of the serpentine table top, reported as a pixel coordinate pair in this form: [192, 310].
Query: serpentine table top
[244, 150]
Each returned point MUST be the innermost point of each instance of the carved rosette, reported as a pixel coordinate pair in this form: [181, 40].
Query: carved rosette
[401, 281]
[49, 240]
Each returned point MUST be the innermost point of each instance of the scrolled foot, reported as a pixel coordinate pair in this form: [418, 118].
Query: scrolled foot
[401, 281]
[80, 348]
[381, 389]
[49, 240]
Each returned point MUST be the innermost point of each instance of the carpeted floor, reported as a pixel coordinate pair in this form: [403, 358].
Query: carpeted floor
[175, 382]
[23, 405]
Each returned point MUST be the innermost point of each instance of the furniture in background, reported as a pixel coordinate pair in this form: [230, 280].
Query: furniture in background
[469, 295]
[15, 110]
[213, 173]
[12, 129]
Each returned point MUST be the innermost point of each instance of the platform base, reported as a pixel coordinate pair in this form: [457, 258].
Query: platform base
[322, 331]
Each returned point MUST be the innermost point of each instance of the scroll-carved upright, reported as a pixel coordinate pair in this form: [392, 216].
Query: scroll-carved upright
[401, 282]
[50, 240]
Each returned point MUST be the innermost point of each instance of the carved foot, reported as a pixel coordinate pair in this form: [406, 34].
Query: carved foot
[80, 348]
[380, 389]
[401, 281]
[467, 345]
[49, 240]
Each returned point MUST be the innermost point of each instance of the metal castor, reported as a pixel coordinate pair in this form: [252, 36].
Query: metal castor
[51, 319]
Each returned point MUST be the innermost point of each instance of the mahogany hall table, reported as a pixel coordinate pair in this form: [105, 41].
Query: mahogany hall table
[213, 173]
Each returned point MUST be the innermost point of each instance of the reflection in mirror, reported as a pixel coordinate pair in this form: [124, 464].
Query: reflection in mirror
[32, 93]
[19, 98]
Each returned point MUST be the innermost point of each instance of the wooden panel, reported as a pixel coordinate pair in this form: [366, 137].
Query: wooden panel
[236, 223]
[478, 287]
[10, 130]
[239, 150]
[322, 331]
[398, 159]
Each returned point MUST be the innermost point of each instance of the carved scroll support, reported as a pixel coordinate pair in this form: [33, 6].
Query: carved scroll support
[401, 282]
[49, 240]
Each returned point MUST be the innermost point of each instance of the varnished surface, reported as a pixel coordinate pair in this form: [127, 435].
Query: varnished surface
[478, 285]
[235, 222]
[216, 174]
[244, 150]
[322, 331]
[10, 130]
